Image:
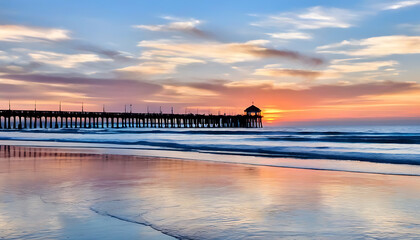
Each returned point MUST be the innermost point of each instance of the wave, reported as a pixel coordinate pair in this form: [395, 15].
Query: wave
[350, 139]
[391, 146]
[300, 152]
[215, 131]
[142, 222]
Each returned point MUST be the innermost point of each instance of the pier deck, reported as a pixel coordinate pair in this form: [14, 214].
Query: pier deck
[20, 119]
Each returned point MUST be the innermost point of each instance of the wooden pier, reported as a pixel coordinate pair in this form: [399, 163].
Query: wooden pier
[23, 119]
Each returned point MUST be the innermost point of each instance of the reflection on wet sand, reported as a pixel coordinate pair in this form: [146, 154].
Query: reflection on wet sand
[48, 192]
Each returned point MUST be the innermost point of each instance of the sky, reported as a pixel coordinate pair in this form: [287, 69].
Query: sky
[299, 61]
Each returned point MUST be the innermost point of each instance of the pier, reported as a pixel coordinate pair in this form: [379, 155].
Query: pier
[28, 119]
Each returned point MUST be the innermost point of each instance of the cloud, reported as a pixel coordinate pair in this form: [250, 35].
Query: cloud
[188, 91]
[64, 60]
[63, 57]
[311, 18]
[164, 56]
[261, 84]
[361, 66]
[296, 22]
[290, 35]
[411, 27]
[282, 72]
[291, 55]
[160, 65]
[13, 68]
[72, 87]
[24, 60]
[347, 68]
[18, 33]
[108, 53]
[188, 26]
[401, 4]
[375, 46]
[221, 52]
[7, 57]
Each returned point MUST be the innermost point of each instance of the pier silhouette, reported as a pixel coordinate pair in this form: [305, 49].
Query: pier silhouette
[27, 119]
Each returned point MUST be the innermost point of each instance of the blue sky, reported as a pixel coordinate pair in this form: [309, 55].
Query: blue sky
[290, 57]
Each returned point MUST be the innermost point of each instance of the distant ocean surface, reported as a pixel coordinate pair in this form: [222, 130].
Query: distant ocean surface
[378, 149]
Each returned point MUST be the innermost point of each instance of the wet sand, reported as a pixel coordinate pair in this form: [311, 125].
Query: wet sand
[49, 193]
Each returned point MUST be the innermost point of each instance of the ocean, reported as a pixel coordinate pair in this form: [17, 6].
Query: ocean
[270, 183]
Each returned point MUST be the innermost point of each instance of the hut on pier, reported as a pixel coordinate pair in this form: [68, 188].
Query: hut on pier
[252, 111]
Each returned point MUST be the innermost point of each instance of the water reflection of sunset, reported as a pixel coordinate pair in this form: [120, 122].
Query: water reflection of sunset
[192, 195]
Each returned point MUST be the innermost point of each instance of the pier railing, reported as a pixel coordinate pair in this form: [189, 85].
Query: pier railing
[19, 119]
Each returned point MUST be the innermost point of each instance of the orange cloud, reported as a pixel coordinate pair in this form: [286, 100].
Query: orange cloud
[281, 72]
